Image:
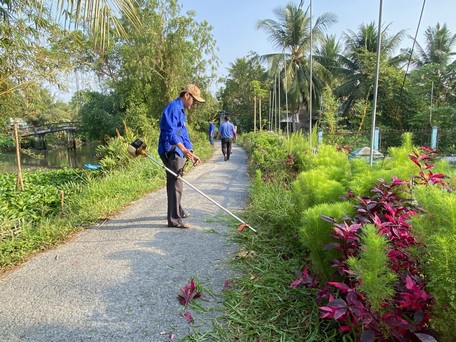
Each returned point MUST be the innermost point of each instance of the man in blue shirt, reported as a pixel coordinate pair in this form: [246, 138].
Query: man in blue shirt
[227, 133]
[175, 148]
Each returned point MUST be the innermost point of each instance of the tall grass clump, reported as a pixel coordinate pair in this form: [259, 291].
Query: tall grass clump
[399, 155]
[268, 154]
[6, 143]
[104, 197]
[271, 204]
[298, 147]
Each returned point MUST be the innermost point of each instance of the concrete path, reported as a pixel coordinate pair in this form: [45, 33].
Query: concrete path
[119, 281]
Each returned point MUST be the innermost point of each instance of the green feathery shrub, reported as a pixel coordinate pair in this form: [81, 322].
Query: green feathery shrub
[377, 279]
[436, 229]
[314, 187]
[315, 235]
[334, 162]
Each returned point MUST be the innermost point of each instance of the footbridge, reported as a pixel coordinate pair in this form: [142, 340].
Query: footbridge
[39, 132]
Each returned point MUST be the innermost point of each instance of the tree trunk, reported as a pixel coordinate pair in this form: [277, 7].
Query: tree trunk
[259, 113]
[254, 113]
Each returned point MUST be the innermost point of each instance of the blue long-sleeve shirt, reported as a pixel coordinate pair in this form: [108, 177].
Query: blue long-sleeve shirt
[226, 130]
[173, 129]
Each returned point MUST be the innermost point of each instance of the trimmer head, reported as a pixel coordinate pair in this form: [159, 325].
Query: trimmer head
[137, 147]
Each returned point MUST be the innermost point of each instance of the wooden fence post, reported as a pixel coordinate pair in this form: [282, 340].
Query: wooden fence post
[19, 182]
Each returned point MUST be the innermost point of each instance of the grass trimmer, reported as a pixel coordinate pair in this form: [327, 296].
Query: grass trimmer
[138, 148]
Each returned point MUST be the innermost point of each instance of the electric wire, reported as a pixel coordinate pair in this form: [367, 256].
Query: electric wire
[410, 55]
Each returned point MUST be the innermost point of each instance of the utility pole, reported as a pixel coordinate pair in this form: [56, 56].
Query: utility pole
[432, 99]
[310, 77]
[374, 109]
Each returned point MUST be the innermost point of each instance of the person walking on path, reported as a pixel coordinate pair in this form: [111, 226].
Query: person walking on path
[227, 133]
[211, 132]
[175, 148]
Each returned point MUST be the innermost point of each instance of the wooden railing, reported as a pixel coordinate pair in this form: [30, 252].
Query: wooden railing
[49, 128]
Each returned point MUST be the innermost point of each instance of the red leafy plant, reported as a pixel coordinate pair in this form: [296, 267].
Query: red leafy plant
[188, 293]
[405, 316]
[425, 161]
[345, 148]
[188, 316]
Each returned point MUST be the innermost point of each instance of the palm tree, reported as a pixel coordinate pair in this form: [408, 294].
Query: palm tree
[435, 75]
[29, 27]
[98, 17]
[291, 34]
[95, 16]
[438, 49]
[357, 64]
[329, 55]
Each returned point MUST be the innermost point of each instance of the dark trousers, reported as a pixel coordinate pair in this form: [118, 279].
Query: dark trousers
[211, 138]
[227, 144]
[174, 187]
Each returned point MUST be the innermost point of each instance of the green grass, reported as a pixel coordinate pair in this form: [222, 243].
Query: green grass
[95, 200]
[258, 304]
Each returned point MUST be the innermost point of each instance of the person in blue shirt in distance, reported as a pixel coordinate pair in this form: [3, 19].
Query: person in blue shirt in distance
[211, 132]
[175, 148]
[227, 133]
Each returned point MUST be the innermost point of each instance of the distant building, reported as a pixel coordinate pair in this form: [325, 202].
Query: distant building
[292, 121]
[21, 123]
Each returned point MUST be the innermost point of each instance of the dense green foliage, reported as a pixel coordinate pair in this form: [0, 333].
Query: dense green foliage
[6, 143]
[99, 117]
[41, 197]
[147, 70]
[293, 232]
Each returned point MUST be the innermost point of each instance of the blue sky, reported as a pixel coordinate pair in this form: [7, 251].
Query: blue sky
[234, 21]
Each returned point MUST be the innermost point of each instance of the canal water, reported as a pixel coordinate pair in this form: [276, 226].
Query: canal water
[55, 158]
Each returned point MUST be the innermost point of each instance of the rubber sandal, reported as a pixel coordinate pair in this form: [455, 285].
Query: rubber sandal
[180, 225]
